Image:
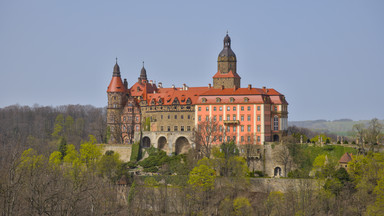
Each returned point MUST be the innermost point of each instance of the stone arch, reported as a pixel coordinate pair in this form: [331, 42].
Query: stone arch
[277, 172]
[181, 145]
[162, 143]
[276, 138]
[146, 142]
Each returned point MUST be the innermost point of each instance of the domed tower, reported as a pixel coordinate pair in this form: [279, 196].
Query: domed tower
[226, 67]
[117, 97]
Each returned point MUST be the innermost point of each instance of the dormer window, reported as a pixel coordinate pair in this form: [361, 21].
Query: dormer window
[189, 101]
[176, 101]
[160, 101]
[231, 99]
[246, 99]
[138, 88]
[204, 100]
[218, 100]
[153, 102]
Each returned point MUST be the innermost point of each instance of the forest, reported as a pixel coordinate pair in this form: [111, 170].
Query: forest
[51, 163]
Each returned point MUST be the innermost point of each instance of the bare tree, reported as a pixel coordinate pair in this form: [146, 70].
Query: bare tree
[206, 133]
[374, 133]
[360, 132]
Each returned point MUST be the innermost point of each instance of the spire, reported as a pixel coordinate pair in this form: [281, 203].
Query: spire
[227, 51]
[116, 70]
[143, 73]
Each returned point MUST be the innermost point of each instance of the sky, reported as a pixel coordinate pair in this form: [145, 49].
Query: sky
[326, 57]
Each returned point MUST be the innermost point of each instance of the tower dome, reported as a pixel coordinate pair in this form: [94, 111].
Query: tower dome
[227, 51]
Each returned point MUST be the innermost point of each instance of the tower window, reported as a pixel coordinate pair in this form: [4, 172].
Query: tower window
[276, 123]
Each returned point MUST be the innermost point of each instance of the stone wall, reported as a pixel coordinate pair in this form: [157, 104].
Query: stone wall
[266, 185]
[123, 150]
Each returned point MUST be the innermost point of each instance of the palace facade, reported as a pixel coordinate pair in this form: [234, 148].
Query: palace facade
[166, 117]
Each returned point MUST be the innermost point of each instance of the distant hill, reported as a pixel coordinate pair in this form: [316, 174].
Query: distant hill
[340, 127]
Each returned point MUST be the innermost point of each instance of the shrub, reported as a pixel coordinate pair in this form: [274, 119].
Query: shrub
[151, 169]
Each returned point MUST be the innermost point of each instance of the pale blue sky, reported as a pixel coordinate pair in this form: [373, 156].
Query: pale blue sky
[326, 56]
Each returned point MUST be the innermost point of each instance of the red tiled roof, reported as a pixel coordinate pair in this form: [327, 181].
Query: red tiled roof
[116, 85]
[346, 158]
[227, 75]
[141, 89]
[168, 95]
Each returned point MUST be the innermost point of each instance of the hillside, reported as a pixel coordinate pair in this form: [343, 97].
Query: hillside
[340, 127]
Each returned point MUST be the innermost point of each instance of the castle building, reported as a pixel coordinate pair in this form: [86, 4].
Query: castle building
[166, 118]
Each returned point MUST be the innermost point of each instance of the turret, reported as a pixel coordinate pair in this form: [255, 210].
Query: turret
[117, 97]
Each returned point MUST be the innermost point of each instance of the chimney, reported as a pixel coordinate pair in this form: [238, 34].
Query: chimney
[184, 87]
[249, 86]
[222, 87]
[125, 83]
[151, 82]
[209, 85]
[234, 88]
[173, 86]
[160, 85]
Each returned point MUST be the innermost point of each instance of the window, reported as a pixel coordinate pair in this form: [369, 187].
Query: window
[228, 138]
[234, 128]
[234, 108]
[206, 108]
[258, 138]
[124, 128]
[242, 117]
[246, 99]
[199, 108]
[221, 108]
[189, 117]
[242, 128]
[188, 128]
[218, 100]
[204, 100]
[214, 118]
[182, 116]
[242, 138]
[258, 108]
[228, 117]
[228, 129]
[206, 118]
[228, 108]
[182, 128]
[169, 116]
[276, 123]
[199, 118]
[249, 128]
[169, 128]
[242, 108]
[214, 108]
[258, 128]
[249, 138]
[175, 116]
[161, 116]
[231, 99]
[220, 138]
[275, 108]
[137, 118]
[249, 117]
[214, 138]
[137, 128]
[249, 108]
[234, 138]
[258, 118]
[220, 118]
[221, 128]
[175, 128]
[234, 117]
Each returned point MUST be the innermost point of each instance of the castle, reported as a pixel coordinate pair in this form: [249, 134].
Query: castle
[166, 118]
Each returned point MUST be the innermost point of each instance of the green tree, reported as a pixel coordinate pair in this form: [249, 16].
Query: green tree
[62, 147]
[378, 207]
[202, 178]
[241, 206]
[89, 152]
[59, 124]
[55, 159]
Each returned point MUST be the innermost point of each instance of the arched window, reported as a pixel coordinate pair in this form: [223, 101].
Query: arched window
[204, 100]
[246, 99]
[231, 99]
[218, 100]
[276, 123]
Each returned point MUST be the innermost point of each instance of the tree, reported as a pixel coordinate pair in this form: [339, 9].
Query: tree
[206, 133]
[374, 133]
[202, 178]
[283, 157]
[89, 152]
[241, 206]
